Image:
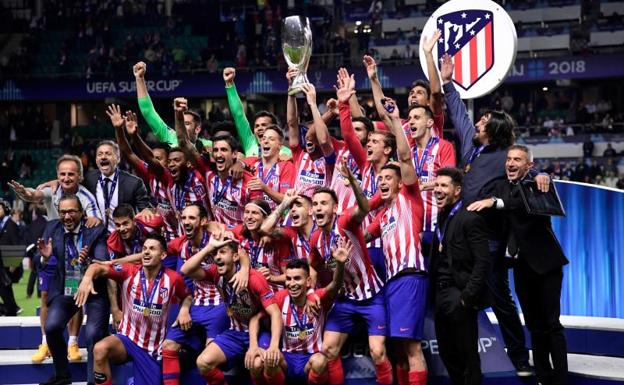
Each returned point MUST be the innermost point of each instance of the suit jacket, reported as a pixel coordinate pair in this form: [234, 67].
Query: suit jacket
[94, 238]
[533, 234]
[131, 189]
[10, 234]
[466, 247]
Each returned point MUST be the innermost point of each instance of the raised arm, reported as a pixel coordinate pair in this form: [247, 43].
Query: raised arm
[269, 224]
[344, 90]
[159, 128]
[145, 152]
[320, 128]
[363, 208]
[243, 129]
[456, 107]
[436, 99]
[292, 115]
[26, 194]
[408, 172]
[180, 105]
[118, 121]
[341, 255]
[192, 267]
[371, 71]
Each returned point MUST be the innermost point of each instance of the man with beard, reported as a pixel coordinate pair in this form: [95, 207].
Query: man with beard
[242, 305]
[301, 227]
[538, 267]
[111, 186]
[148, 291]
[227, 192]
[483, 152]
[151, 167]
[272, 176]
[74, 246]
[69, 174]
[429, 153]
[314, 160]
[460, 264]
[208, 311]
[301, 357]
[125, 241]
[422, 92]
[399, 223]
[380, 148]
[363, 297]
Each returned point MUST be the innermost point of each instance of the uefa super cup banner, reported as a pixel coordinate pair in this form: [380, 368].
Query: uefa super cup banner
[480, 37]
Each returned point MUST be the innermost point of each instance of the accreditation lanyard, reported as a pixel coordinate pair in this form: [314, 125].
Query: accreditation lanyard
[420, 163]
[108, 194]
[441, 230]
[72, 250]
[146, 301]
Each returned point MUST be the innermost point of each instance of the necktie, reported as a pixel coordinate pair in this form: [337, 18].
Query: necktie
[106, 192]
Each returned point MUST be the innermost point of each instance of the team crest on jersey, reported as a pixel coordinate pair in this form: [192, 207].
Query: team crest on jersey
[164, 294]
[198, 190]
[467, 36]
[117, 267]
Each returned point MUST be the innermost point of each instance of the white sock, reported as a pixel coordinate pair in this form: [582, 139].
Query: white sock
[43, 340]
[72, 340]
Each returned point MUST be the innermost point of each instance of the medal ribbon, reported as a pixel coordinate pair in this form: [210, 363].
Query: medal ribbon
[475, 154]
[420, 163]
[202, 244]
[108, 194]
[145, 300]
[306, 242]
[441, 231]
[71, 250]
[268, 177]
[328, 241]
[301, 323]
[179, 193]
[218, 194]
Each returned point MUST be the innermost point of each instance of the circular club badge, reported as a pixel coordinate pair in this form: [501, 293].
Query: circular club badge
[480, 37]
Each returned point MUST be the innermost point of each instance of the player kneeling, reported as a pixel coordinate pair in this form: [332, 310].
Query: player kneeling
[301, 356]
[147, 292]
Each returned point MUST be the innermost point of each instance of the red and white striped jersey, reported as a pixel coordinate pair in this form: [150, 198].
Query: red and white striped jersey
[227, 198]
[147, 331]
[302, 333]
[399, 226]
[441, 154]
[339, 183]
[299, 245]
[244, 305]
[159, 183]
[369, 188]
[190, 190]
[118, 248]
[206, 294]
[270, 256]
[279, 178]
[360, 279]
[311, 173]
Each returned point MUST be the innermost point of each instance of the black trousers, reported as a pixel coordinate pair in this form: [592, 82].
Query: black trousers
[506, 313]
[60, 310]
[539, 296]
[457, 333]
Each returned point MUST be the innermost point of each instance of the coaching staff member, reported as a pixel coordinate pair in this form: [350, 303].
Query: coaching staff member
[460, 265]
[538, 268]
[74, 246]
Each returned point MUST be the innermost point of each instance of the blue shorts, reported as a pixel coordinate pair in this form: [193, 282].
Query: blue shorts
[46, 274]
[379, 261]
[406, 305]
[346, 312]
[208, 321]
[147, 369]
[235, 344]
[296, 365]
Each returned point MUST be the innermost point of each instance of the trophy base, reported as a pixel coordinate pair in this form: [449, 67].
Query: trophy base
[295, 91]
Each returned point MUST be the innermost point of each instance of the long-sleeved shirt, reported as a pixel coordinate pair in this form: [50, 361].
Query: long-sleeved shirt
[487, 167]
[243, 128]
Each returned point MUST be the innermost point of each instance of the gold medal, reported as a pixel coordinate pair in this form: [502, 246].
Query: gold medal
[440, 248]
[146, 312]
[107, 212]
[302, 335]
[467, 168]
[230, 312]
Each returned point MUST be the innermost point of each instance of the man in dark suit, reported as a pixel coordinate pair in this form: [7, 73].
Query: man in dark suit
[538, 268]
[111, 186]
[73, 246]
[9, 236]
[460, 266]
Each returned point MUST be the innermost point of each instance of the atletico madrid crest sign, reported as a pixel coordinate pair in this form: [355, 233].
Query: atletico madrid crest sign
[480, 37]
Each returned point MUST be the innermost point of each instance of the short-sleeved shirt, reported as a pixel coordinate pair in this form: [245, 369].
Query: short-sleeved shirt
[311, 173]
[118, 248]
[51, 201]
[147, 331]
[279, 178]
[399, 226]
[340, 184]
[159, 184]
[302, 332]
[360, 279]
[244, 305]
[190, 190]
[299, 245]
[206, 293]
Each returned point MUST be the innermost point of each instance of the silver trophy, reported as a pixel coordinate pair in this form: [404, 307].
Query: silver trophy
[297, 47]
